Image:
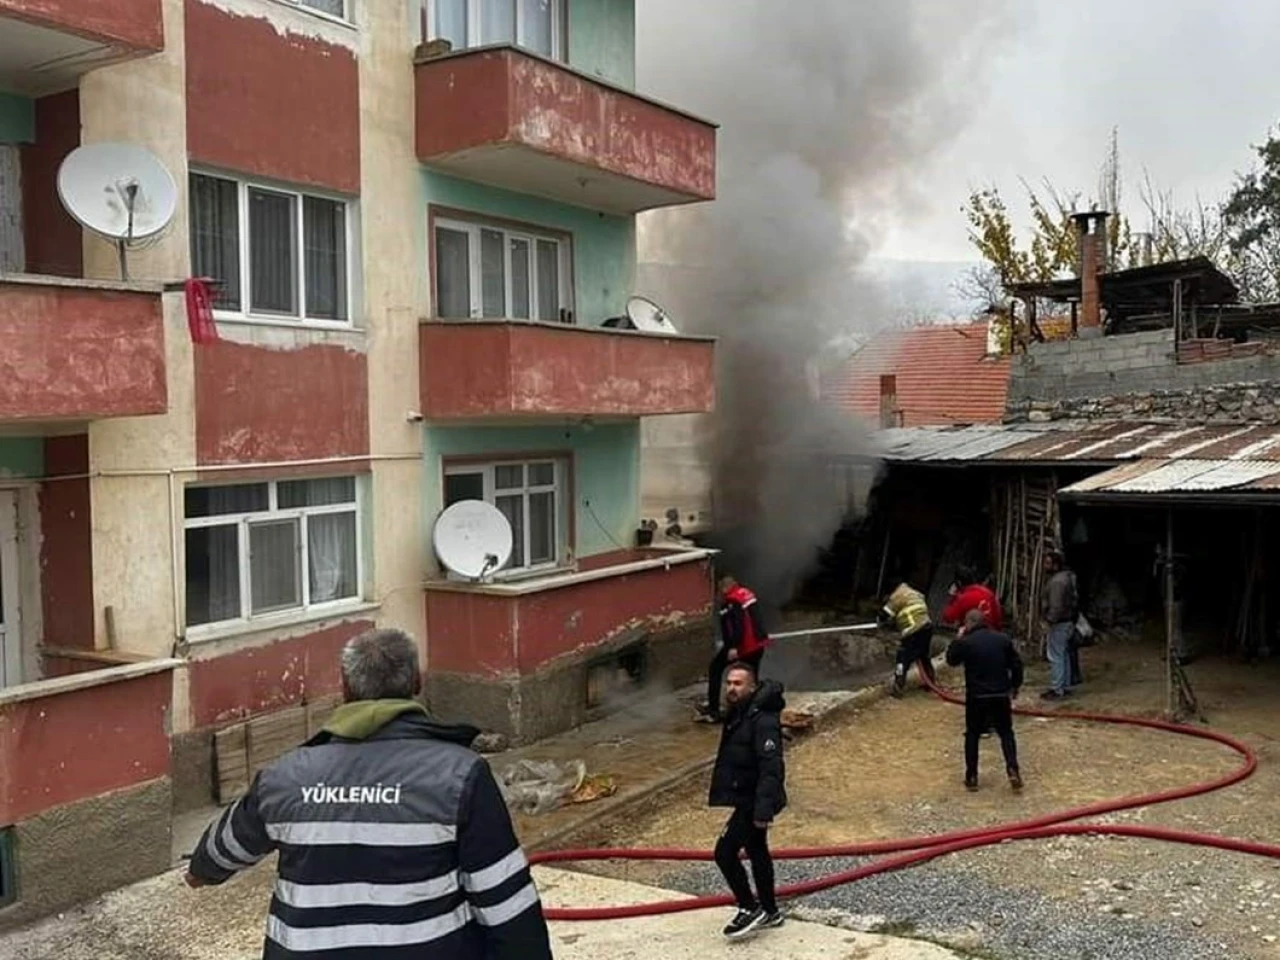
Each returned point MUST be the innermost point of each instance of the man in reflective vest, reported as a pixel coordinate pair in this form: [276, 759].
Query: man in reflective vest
[743, 639]
[906, 611]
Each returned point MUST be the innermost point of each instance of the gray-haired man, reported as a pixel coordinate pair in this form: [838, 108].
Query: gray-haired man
[394, 840]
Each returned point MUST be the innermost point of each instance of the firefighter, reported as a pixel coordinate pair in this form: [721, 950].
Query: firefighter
[742, 639]
[907, 612]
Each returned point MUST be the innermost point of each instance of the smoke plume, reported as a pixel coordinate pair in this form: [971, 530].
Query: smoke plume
[830, 111]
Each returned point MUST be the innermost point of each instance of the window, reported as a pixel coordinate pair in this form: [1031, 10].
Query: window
[339, 9]
[536, 25]
[500, 272]
[291, 248]
[530, 495]
[260, 548]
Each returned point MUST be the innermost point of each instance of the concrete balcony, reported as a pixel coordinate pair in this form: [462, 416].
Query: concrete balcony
[45, 45]
[502, 116]
[480, 369]
[78, 350]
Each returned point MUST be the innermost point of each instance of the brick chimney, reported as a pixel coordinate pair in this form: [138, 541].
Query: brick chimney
[890, 415]
[1091, 228]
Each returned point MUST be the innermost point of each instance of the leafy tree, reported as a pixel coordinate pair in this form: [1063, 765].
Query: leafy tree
[1252, 219]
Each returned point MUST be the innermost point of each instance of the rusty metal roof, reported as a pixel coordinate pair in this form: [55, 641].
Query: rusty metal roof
[1080, 443]
[1151, 477]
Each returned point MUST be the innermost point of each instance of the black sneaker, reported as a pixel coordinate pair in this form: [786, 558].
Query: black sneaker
[772, 921]
[1054, 695]
[1015, 781]
[971, 784]
[744, 922]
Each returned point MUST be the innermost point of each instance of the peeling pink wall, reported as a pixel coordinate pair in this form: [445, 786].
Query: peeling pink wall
[289, 110]
[495, 97]
[261, 679]
[134, 23]
[69, 353]
[258, 404]
[492, 636]
[481, 369]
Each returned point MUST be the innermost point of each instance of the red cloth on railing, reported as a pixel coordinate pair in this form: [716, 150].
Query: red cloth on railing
[200, 311]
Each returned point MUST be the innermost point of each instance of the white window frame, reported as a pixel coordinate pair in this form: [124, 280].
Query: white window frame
[242, 521]
[473, 228]
[559, 17]
[348, 16]
[246, 313]
[558, 487]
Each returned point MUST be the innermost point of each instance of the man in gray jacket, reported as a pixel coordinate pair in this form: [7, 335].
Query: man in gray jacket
[1060, 611]
[394, 839]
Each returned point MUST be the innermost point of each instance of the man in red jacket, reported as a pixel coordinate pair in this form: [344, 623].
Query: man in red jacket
[968, 594]
[743, 639]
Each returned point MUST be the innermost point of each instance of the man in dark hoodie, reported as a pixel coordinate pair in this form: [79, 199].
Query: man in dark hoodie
[394, 839]
[750, 776]
[992, 678]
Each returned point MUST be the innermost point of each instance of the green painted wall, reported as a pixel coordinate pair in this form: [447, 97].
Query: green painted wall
[606, 461]
[22, 457]
[602, 39]
[17, 119]
[604, 246]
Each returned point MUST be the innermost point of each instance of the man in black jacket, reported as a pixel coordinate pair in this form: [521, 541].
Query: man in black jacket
[394, 839]
[750, 777]
[992, 678]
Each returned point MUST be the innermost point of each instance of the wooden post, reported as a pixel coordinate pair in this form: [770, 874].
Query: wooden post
[1170, 707]
[884, 560]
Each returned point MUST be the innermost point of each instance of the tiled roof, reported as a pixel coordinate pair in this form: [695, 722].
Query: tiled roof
[943, 376]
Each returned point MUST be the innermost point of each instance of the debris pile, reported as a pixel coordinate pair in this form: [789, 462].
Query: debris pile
[535, 787]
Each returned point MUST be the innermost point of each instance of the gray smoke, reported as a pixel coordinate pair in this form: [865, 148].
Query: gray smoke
[829, 112]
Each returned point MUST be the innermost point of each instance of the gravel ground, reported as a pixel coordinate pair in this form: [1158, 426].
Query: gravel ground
[960, 910]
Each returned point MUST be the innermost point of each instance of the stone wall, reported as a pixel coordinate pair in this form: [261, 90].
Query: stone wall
[1138, 376]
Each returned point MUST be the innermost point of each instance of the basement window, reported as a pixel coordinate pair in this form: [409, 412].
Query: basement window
[613, 681]
[8, 869]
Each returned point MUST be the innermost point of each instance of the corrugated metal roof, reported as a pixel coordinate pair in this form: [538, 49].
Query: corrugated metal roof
[1180, 476]
[1081, 443]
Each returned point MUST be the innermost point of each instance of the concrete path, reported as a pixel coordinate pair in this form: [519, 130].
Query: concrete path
[160, 919]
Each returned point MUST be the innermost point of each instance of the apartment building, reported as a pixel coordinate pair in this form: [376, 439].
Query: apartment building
[416, 214]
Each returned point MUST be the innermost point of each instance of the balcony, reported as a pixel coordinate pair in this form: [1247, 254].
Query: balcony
[478, 369]
[511, 119]
[77, 350]
[45, 45]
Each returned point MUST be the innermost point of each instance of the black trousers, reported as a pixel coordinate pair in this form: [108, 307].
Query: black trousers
[1073, 655]
[741, 834]
[982, 714]
[917, 648]
[715, 674]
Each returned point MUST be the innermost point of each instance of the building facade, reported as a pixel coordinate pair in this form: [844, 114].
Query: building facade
[415, 215]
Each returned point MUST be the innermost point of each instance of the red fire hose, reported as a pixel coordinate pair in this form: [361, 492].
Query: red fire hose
[917, 850]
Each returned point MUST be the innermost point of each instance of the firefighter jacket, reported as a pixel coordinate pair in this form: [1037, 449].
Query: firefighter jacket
[906, 610]
[750, 772]
[394, 842]
[741, 628]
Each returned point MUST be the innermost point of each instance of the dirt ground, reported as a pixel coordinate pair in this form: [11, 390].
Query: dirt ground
[895, 770]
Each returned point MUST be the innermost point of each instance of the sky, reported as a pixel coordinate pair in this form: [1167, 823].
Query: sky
[1189, 88]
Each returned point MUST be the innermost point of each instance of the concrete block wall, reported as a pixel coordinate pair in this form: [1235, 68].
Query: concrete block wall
[1129, 374]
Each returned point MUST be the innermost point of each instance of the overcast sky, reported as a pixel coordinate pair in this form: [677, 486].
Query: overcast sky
[1191, 84]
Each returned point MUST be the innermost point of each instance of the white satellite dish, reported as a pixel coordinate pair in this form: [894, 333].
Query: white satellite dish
[648, 316]
[118, 190]
[472, 539]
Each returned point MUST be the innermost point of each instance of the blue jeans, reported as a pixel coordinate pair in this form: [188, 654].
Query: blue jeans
[1060, 656]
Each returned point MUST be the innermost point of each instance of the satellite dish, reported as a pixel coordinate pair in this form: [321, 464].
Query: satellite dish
[648, 316]
[118, 190]
[472, 539]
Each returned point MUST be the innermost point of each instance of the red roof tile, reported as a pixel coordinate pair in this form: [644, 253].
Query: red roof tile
[943, 376]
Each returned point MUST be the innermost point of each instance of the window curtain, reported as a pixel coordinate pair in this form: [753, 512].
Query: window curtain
[331, 546]
[215, 237]
[273, 269]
